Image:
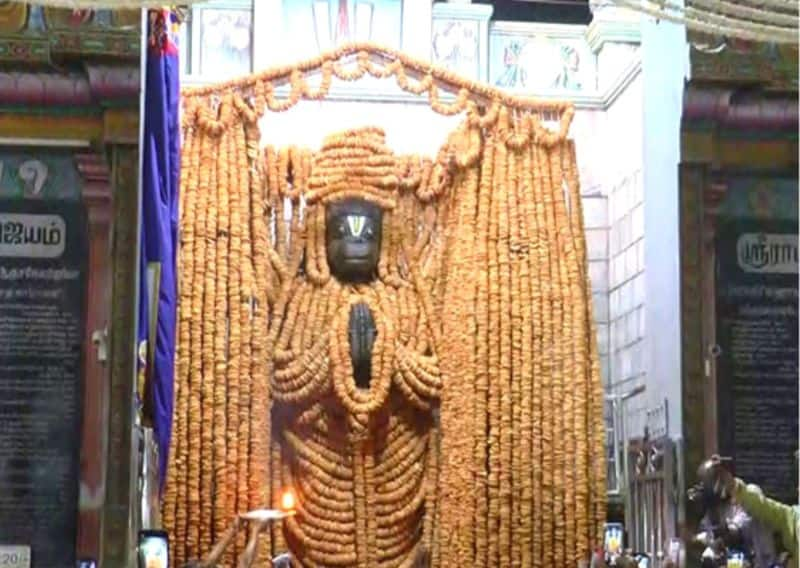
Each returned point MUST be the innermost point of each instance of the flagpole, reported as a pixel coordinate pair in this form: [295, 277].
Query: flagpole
[136, 433]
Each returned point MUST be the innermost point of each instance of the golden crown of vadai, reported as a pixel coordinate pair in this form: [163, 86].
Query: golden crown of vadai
[355, 164]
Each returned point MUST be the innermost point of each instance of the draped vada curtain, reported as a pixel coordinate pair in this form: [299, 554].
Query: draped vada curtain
[492, 231]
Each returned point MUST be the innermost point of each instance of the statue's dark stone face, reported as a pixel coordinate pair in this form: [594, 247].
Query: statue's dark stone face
[353, 239]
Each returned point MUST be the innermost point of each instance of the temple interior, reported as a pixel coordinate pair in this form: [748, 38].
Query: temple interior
[398, 283]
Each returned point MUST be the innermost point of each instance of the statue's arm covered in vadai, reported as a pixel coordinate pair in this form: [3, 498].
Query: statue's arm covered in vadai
[418, 377]
[417, 373]
[301, 360]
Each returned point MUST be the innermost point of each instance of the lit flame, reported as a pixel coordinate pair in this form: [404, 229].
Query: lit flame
[287, 500]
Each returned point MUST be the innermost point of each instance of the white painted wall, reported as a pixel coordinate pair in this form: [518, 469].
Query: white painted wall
[410, 128]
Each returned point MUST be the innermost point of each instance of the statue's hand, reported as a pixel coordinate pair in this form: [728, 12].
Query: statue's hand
[362, 339]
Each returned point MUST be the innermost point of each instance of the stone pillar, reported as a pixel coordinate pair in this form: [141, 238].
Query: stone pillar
[417, 28]
[614, 35]
[268, 26]
[96, 194]
[118, 542]
[664, 49]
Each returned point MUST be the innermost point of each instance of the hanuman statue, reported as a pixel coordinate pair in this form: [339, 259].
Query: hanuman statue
[356, 378]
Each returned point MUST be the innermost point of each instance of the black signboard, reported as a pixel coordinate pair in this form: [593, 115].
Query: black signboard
[43, 252]
[757, 364]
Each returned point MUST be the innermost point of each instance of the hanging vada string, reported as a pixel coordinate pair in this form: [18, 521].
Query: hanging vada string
[504, 283]
[235, 332]
[572, 273]
[552, 418]
[254, 442]
[482, 383]
[211, 506]
[175, 493]
[513, 299]
[193, 508]
[533, 209]
[551, 415]
[247, 300]
[537, 260]
[273, 270]
[522, 239]
[561, 299]
[281, 194]
[222, 285]
[498, 520]
[455, 496]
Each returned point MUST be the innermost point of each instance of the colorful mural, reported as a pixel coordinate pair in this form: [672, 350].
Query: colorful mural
[538, 62]
[312, 26]
[35, 34]
[13, 16]
[38, 175]
[16, 17]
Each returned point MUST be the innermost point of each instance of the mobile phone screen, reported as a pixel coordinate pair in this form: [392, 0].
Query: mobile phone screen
[614, 535]
[153, 549]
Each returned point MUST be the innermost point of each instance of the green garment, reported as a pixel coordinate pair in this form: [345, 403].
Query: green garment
[781, 518]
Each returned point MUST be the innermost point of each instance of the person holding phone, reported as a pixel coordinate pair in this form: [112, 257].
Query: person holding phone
[783, 519]
[153, 549]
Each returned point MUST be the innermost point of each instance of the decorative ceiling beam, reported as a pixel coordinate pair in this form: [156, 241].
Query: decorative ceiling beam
[719, 106]
[102, 84]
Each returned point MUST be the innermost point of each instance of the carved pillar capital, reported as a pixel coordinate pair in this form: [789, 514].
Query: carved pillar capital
[97, 186]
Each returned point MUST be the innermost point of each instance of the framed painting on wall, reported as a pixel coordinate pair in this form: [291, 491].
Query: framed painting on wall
[456, 45]
[541, 59]
[460, 35]
[216, 41]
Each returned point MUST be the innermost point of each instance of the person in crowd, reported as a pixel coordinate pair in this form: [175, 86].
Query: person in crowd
[780, 518]
[726, 524]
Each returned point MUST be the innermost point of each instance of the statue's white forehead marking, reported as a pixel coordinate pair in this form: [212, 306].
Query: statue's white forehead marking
[356, 224]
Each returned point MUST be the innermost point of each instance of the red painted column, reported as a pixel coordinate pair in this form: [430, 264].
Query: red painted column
[96, 196]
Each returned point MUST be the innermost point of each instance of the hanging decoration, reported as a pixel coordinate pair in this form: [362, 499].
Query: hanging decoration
[480, 440]
[769, 21]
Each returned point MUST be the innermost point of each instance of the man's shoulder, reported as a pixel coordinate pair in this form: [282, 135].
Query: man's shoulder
[754, 489]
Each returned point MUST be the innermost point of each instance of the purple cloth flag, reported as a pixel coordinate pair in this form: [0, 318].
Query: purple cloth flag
[159, 233]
